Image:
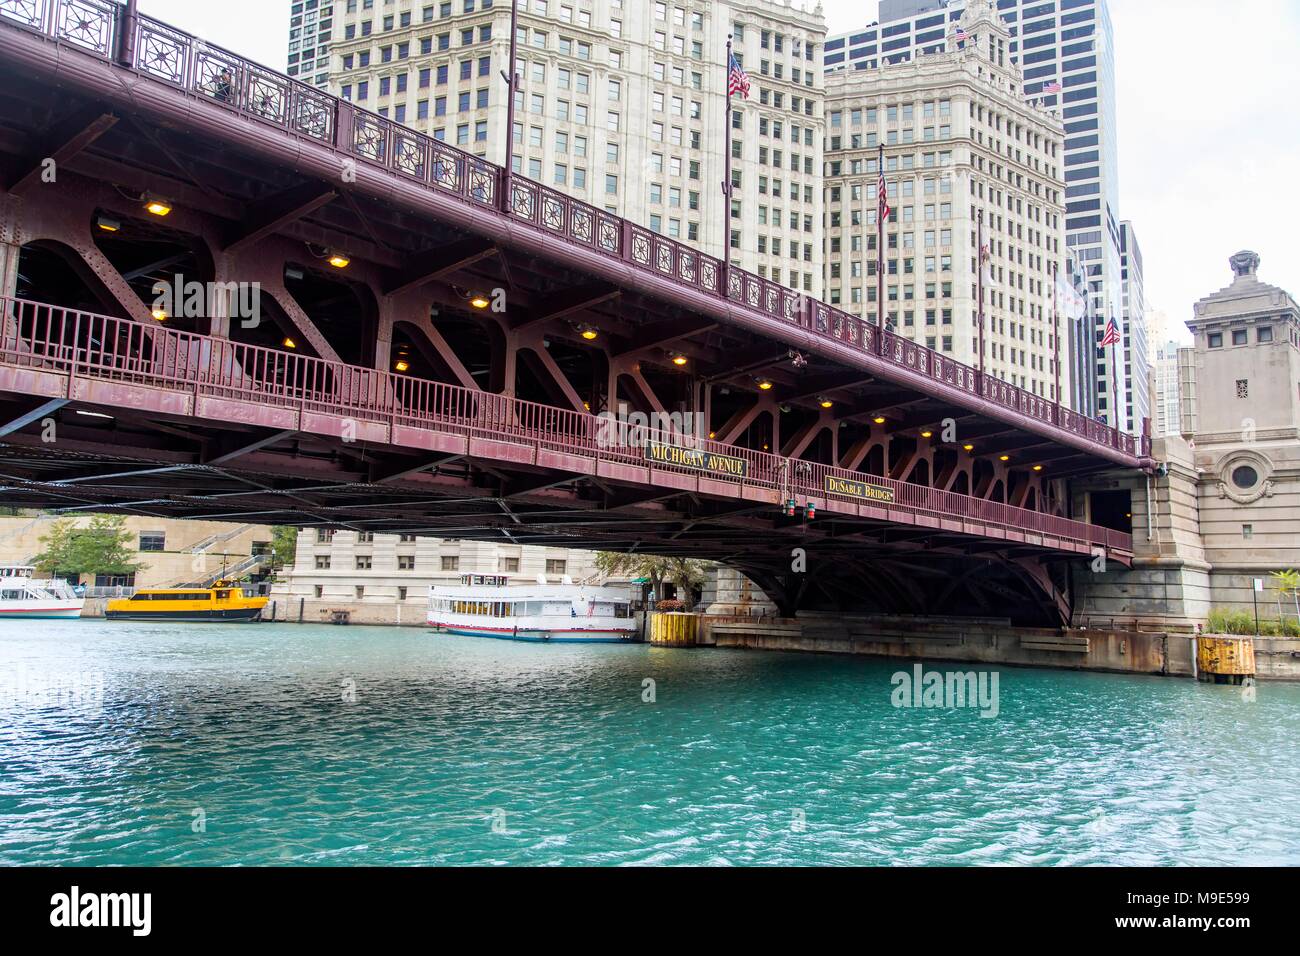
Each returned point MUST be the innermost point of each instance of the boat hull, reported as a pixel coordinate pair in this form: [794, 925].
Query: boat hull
[223, 616]
[537, 635]
[54, 612]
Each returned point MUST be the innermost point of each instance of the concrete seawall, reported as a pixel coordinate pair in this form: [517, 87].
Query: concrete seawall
[983, 642]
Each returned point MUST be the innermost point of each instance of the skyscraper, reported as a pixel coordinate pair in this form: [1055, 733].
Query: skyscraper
[1137, 362]
[1066, 52]
[622, 104]
[311, 28]
[1166, 421]
[964, 154]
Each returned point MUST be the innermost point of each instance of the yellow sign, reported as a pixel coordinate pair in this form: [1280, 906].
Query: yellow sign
[697, 460]
[858, 489]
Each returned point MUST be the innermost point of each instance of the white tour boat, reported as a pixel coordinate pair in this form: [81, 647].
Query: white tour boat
[487, 606]
[22, 596]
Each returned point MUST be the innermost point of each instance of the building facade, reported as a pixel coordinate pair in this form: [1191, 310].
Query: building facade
[966, 155]
[1135, 347]
[1069, 43]
[171, 553]
[622, 104]
[385, 578]
[1243, 411]
[1165, 418]
[1222, 512]
[311, 30]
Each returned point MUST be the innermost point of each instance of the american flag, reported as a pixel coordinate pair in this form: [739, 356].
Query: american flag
[884, 196]
[737, 79]
[1112, 333]
[960, 35]
[1051, 86]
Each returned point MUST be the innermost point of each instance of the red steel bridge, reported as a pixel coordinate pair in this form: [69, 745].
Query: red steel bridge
[433, 342]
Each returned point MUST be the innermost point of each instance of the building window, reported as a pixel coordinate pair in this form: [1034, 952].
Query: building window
[1243, 388]
[1265, 334]
[322, 562]
[363, 562]
[508, 565]
[401, 594]
[320, 590]
[1245, 477]
[1215, 340]
[450, 562]
[407, 539]
[556, 566]
[1248, 531]
[153, 541]
[406, 562]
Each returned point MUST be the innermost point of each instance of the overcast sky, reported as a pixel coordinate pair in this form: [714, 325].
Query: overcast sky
[1208, 134]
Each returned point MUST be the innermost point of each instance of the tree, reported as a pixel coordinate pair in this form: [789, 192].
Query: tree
[1287, 584]
[685, 573]
[284, 545]
[101, 547]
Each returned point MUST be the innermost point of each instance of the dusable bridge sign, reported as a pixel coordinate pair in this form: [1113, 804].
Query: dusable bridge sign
[859, 489]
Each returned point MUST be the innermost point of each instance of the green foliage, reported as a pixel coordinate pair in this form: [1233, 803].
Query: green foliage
[1241, 622]
[284, 545]
[102, 547]
[686, 574]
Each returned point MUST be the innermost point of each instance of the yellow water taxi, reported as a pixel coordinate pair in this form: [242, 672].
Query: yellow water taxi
[222, 602]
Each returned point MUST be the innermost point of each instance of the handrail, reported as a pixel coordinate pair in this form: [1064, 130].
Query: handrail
[46, 337]
[198, 68]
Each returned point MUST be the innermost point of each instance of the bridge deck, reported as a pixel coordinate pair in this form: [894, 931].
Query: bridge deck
[184, 377]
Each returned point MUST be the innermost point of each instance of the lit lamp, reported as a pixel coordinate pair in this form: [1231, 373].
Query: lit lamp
[479, 300]
[157, 206]
[588, 333]
[339, 260]
[289, 343]
[679, 359]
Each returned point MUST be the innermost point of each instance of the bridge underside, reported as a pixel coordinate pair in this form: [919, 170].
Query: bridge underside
[440, 285]
[76, 458]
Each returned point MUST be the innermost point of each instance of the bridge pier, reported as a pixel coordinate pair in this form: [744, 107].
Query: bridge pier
[1168, 588]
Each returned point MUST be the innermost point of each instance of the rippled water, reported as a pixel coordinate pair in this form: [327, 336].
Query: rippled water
[119, 741]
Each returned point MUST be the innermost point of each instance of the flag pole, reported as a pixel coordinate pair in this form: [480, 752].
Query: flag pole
[1056, 336]
[512, 84]
[726, 182]
[1114, 353]
[979, 269]
[880, 257]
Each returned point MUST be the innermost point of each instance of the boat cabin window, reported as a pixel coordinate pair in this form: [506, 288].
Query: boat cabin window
[11, 595]
[174, 596]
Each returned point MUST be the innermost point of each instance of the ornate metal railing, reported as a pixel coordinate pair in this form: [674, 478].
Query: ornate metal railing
[86, 345]
[200, 69]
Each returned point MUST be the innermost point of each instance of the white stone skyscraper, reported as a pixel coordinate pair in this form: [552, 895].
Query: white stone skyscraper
[1065, 50]
[622, 104]
[964, 150]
